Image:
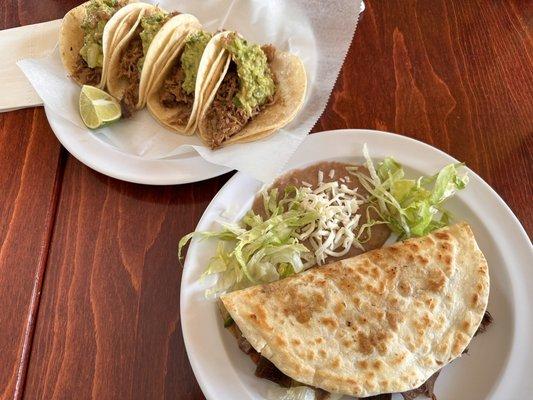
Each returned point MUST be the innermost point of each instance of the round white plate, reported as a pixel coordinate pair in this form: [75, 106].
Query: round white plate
[499, 361]
[105, 158]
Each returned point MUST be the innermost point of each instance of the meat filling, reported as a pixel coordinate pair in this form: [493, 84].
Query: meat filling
[426, 389]
[267, 370]
[86, 75]
[172, 95]
[224, 118]
[129, 71]
[269, 51]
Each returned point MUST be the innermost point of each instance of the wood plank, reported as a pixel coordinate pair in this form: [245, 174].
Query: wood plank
[109, 318]
[108, 325]
[31, 166]
[457, 75]
[30, 177]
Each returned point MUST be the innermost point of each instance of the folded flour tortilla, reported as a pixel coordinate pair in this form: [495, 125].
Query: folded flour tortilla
[381, 322]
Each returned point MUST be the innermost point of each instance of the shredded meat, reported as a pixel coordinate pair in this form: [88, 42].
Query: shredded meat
[269, 51]
[85, 74]
[129, 71]
[485, 322]
[224, 118]
[172, 95]
[265, 369]
[383, 396]
[245, 345]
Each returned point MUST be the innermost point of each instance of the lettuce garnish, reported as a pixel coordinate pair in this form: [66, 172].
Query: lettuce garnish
[256, 250]
[410, 207]
[265, 249]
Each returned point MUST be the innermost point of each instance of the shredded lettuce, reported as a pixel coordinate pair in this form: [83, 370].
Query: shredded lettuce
[265, 249]
[409, 207]
[255, 250]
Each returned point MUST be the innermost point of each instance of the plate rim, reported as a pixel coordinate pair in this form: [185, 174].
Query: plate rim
[515, 222]
[85, 153]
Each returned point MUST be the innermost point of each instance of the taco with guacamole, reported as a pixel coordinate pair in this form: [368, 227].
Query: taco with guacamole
[133, 56]
[86, 36]
[177, 91]
[252, 92]
[138, 52]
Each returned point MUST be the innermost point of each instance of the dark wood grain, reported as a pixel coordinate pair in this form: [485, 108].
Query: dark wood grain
[29, 177]
[111, 295]
[31, 167]
[455, 74]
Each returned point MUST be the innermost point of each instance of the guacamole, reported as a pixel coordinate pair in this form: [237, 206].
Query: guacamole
[256, 85]
[98, 13]
[190, 58]
[151, 24]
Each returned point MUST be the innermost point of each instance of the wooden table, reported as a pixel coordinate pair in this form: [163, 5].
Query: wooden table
[89, 278]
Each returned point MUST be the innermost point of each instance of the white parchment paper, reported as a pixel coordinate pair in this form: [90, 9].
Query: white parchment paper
[319, 32]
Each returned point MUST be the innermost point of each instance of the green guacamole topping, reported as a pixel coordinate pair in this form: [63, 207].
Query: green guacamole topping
[255, 78]
[150, 26]
[190, 58]
[98, 12]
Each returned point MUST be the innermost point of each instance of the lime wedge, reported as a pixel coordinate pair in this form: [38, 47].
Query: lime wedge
[97, 107]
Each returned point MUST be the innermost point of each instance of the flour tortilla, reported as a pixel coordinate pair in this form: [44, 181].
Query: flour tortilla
[380, 322]
[162, 47]
[175, 28]
[71, 37]
[116, 86]
[211, 64]
[291, 84]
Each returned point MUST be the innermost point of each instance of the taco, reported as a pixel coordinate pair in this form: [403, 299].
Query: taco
[176, 93]
[85, 38]
[140, 50]
[259, 90]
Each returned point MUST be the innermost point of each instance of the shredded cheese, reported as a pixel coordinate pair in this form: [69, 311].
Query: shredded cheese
[334, 233]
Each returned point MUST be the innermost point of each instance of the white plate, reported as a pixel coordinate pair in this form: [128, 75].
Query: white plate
[96, 153]
[498, 363]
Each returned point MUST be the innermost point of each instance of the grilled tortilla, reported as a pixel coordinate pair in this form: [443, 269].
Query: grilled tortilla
[87, 20]
[224, 117]
[381, 322]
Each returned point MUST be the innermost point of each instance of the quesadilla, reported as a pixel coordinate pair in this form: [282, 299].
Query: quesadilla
[85, 39]
[381, 322]
[141, 50]
[176, 92]
[257, 91]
